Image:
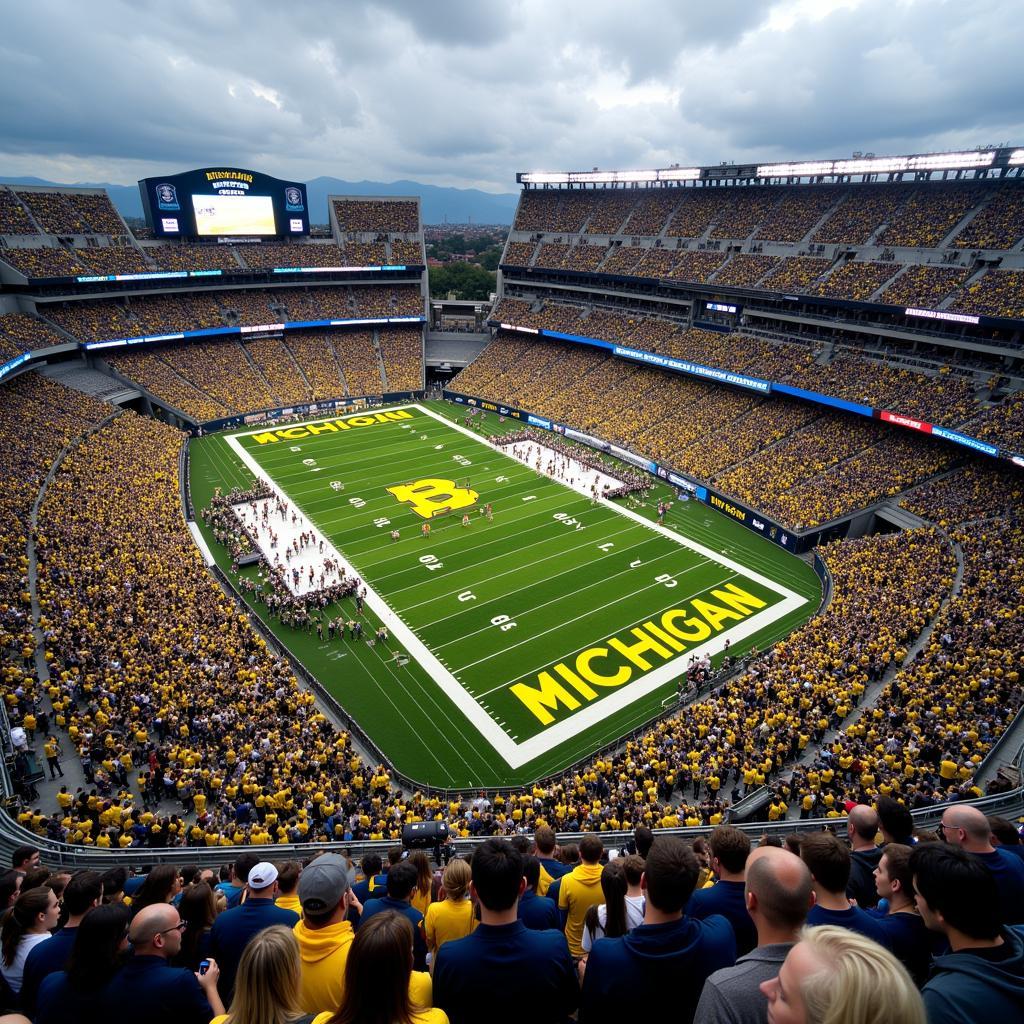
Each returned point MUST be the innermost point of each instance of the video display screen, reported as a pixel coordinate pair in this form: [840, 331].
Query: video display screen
[234, 215]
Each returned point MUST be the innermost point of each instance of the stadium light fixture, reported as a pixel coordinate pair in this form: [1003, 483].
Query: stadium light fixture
[609, 177]
[879, 165]
[1016, 158]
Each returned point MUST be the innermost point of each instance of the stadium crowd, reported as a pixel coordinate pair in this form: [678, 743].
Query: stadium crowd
[377, 215]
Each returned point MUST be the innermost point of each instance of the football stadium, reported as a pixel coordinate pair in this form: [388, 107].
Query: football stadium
[706, 525]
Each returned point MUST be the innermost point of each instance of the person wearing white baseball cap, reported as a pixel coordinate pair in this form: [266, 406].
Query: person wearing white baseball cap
[234, 928]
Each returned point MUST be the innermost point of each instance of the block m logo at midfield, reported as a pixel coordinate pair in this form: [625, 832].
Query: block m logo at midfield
[432, 497]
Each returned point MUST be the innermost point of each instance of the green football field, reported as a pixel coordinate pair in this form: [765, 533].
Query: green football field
[520, 643]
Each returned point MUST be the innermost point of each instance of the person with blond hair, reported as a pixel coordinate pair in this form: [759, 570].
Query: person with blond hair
[452, 917]
[840, 976]
[267, 982]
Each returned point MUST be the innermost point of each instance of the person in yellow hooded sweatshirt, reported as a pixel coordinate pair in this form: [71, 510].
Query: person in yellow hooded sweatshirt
[325, 937]
[579, 890]
[287, 884]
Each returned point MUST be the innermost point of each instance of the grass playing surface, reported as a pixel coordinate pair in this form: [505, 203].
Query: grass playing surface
[533, 638]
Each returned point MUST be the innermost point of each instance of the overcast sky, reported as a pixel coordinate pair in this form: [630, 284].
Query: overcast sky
[467, 92]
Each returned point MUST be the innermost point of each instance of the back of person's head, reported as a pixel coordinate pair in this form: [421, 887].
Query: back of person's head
[424, 873]
[591, 848]
[780, 884]
[544, 837]
[457, 876]
[838, 976]
[114, 880]
[83, 891]
[643, 837]
[955, 884]
[767, 840]
[633, 866]
[21, 919]
[377, 972]
[569, 854]
[1004, 831]
[10, 886]
[730, 847]
[268, 979]
[243, 865]
[101, 943]
[895, 820]
[863, 822]
[198, 907]
[322, 887]
[402, 880]
[828, 860]
[614, 888]
[288, 876]
[521, 843]
[497, 873]
[36, 877]
[395, 856]
[371, 865]
[158, 887]
[670, 874]
[151, 924]
[189, 874]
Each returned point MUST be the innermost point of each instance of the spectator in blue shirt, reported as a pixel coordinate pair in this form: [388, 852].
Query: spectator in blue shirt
[535, 911]
[402, 879]
[374, 882]
[829, 863]
[233, 929]
[473, 976]
[234, 887]
[967, 827]
[729, 851]
[657, 971]
[981, 979]
[81, 894]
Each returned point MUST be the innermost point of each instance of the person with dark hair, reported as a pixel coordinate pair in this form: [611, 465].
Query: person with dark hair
[643, 838]
[569, 858]
[10, 888]
[469, 972]
[861, 828]
[729, 849]
[618, 913]
[656, 972]
[778, 896]
[895, 821]
[71, 996]
[234, 928]
[27, 925]
[906, 934]
[377, 976]
[238, 873]
[150, 985]
[550, 867]
[287, 884]
[829, 863]
[535, 911]
[580, 890]
[967, 827]
[402, 878]
[25, 858]
[161, 885]
[1005, 836]
[81, 895]
[374, 882]
[113, 880]
[198, 909]
[982, 977]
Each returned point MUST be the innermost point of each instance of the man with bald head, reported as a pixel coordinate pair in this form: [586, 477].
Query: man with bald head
[148, 986]
[778, 895]
[861, 827]
[968, 828]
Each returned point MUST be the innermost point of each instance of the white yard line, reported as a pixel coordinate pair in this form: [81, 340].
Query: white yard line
[514, 753]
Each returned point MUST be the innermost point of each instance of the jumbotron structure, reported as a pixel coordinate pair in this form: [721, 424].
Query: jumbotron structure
[824, 358]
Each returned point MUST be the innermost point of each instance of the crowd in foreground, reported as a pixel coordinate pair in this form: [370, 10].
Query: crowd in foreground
[881, 924]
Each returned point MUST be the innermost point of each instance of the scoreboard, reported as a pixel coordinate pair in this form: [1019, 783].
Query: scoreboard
[224, 202]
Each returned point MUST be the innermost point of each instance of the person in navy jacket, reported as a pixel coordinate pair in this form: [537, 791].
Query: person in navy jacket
[730, 849]
[657, 971]
[537, 912]
[149, 987]
[503, 966]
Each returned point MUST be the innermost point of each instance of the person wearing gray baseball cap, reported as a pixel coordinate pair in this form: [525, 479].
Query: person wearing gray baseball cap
[234, 928]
